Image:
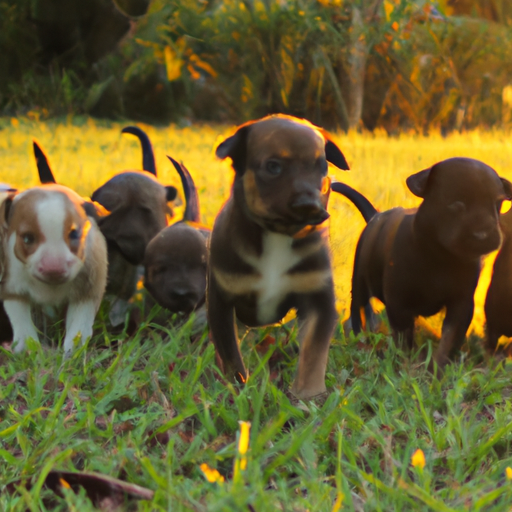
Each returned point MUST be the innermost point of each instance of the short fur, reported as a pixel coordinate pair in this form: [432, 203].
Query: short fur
[499, 295]
[175, 259]
[269, 250]
[53, 255]
[420, 260]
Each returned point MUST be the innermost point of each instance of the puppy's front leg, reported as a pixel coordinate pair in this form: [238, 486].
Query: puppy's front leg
[79, 320]
[20, 317]
[317, 318]
[456, 323]
[221, 318]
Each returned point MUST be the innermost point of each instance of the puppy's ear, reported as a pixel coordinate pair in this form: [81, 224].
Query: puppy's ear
[507, 186]
[94, 210]
[6, 209]
[170, 193]
[334, 155]
[43, 167]
[417, 183]
[236, 148]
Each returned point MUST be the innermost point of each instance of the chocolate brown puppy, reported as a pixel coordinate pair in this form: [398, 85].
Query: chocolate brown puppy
[499, 295]
[420, 260]
[269, 251]
[175, 259]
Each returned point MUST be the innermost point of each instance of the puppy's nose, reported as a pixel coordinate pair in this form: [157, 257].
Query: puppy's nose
[183, 296]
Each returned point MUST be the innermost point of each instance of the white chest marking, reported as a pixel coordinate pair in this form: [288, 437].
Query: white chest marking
[276, 260]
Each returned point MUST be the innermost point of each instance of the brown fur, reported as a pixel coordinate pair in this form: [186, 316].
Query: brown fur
[175, 268]
[499, 295]
[269, 250]
[418, 261]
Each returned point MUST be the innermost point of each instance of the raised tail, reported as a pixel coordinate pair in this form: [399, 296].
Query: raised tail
[192, 210]
[360, 202]
[43, 167]
[148, 157]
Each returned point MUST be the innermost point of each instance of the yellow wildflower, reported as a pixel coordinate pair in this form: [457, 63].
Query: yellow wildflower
[211, 474]
[508, 472]
[418, 459]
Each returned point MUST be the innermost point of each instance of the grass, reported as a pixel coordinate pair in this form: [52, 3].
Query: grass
[153, 408]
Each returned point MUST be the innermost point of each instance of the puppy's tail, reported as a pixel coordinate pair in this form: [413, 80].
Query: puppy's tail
[360, 202]
[148, 158]
[192, 210]
[43, 167]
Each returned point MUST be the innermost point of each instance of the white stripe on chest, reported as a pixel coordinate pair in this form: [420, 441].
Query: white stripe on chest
[276, 259]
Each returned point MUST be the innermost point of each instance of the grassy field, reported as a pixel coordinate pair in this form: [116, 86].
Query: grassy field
[152, 409]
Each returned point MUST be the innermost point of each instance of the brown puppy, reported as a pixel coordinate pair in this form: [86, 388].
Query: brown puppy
[499, 294]
[175, 259]
[269, 250]
[420, 260]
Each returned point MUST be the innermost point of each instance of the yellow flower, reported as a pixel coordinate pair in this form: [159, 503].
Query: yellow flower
[243, 440]
[211, 474]
[418, 459]
[508, 472]
[243, 446]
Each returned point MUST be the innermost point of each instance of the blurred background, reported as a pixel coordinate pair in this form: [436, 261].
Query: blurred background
[395, 65]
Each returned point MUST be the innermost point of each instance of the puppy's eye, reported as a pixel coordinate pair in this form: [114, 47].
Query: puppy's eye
[274, 168]
[74, 235]
[457, 207]
[28, 238]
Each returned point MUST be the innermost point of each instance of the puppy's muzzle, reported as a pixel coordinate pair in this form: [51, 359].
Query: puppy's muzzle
[309, 208]
[182, 300]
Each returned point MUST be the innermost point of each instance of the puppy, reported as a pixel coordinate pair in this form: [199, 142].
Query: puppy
[499, 294]
[175, 259]
[54, 255]
[269, 251]
[420, 260]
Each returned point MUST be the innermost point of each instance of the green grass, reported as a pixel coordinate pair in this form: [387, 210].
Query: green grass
[151, 409]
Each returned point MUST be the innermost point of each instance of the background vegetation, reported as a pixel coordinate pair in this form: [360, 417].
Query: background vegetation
[396, 64]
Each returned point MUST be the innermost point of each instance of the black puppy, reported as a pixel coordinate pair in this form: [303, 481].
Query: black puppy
[269, 250]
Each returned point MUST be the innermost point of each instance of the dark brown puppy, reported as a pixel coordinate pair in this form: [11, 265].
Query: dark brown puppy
[137, 203]
[269, 251]
[175, 259]
[499, 295]
[420, 260]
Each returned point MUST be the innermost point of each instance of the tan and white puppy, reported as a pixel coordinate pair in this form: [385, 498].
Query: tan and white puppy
[53, 255]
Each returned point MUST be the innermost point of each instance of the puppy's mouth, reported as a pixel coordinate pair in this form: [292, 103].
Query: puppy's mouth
[51, 279]
[293, 224]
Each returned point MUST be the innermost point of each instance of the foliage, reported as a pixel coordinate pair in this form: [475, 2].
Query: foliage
[421, 65]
